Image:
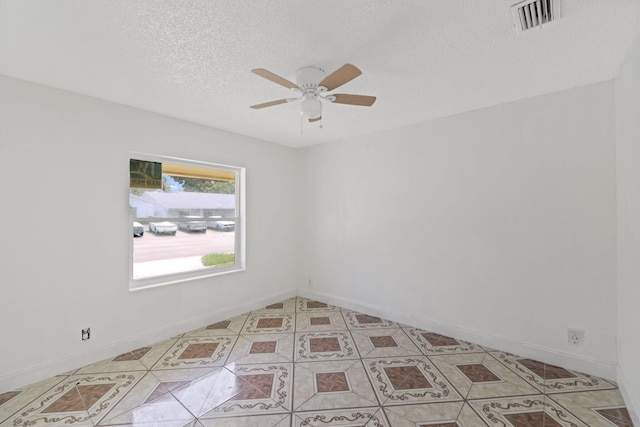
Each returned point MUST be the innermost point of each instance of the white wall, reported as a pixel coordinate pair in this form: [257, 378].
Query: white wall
[497, 225]
[627, 92]
[63, 269]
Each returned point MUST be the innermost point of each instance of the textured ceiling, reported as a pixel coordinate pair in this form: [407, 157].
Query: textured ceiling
[423, 59]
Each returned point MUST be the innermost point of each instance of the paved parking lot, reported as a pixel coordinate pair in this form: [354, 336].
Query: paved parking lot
[154, 247]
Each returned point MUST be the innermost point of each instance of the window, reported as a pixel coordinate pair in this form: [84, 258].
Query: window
[187, 220]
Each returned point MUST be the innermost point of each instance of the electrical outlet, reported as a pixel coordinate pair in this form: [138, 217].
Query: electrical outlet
[575, 336]
[310, 283]
[86, 334]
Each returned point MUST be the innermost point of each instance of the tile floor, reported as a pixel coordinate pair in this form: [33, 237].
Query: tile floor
[306, 363]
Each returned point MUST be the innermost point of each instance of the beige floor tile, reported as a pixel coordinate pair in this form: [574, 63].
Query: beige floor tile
[480, 376]
[196, 352]
[258, 389]
[264, 348]
[140, 359]
[356, 417]
[264, 323]
[231, 326]
[359, 321]
[309, 305]
[77, 400]
[276, 420]
[332, 385]
[320, 321]
[392, 342]
[307, 363]
[450, 414]
[602, 408]
[14, 401]
[433, 344]
[549, 378]
[319, 346]
[408, 379]
[525, 411]
[286, 306]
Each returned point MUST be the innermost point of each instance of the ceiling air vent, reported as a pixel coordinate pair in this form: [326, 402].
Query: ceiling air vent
[534, 13]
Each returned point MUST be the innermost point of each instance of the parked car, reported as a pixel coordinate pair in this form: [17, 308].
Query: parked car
[164, 227]
[193, 224]
[138, 229]
[219, 224]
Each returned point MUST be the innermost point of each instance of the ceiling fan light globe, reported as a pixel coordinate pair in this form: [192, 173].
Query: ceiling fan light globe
[311, 107]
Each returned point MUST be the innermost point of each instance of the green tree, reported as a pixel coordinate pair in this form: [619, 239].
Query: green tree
[207, 186]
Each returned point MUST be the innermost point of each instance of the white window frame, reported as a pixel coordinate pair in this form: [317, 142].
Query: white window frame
[240, 242]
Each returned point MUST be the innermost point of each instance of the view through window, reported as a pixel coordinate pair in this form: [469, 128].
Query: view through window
[185, 219]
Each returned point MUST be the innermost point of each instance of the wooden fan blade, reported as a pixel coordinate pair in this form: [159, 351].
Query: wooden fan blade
[364, 100]
[342, 75]
[315, 120]
[274, 78]
[269, 104]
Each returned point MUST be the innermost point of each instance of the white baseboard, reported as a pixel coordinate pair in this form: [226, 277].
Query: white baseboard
[48, 369]
[632, 401]
[599, 368]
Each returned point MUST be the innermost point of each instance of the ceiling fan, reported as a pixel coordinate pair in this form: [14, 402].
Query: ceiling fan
[313, 85]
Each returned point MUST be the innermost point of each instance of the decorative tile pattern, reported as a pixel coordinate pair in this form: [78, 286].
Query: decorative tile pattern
[432, 344]
[231, 326]
[357, 321]
[266, 323]
[5, 397]
[478, 373]
[365, 417]
[546, 371]
[468, 371]
[270, 420]
[406, 380]
[328, 382]
[276, 306]
[262, 347]
[558, 380]
[257, 389]
[78, 400]
[266, 348]
[199, 350]
[287, 306]
[220, 325]
[449, 414]
[391, 342]
[133, 355]
[525, 411]
[383, 341]
[324, 346]
[307, 305]
[256, 386]
[596, 408]
[525, 419]
[16, 401]
[150, 401]
[320, 321]
[301, 362]
[196, 352]
[618, 416]
[312, 391]
[140, 359]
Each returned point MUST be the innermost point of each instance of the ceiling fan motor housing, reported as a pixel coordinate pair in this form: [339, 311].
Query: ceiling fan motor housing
[309, 77]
